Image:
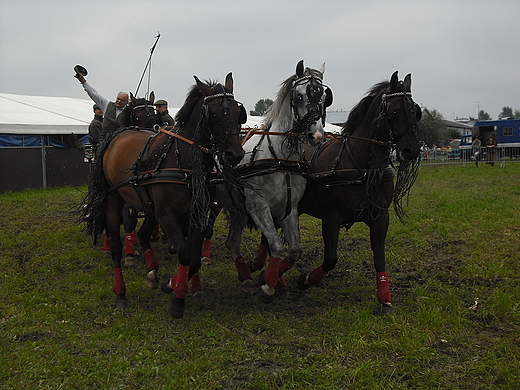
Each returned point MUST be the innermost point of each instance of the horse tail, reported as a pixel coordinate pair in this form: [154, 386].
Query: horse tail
[94, 205]
[93, 209]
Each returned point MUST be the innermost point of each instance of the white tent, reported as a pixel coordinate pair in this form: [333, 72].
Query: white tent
[24, 114]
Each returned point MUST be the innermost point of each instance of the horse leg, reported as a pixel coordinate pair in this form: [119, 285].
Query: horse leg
[113, 209]
[130, 223]
[261, 257]
[214, 211]
[330, 232]
[378, 232]
[152, 266]
[233, 245]
[291, 231]
[171, 226]
[268, 280]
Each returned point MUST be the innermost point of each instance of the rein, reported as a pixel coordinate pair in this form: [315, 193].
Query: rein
[180, 137]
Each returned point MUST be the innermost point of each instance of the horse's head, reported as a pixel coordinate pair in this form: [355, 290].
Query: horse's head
[142, 113]
[309, 100]
[401, 115]
[223, 116]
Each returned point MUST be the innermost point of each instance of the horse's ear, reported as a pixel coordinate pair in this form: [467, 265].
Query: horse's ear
[229, 82]
[322, 69]
[408, 82]
[299, 69]
[152, 97]
[393, 81]
[242, 116]
[203, 87]
[134, 100]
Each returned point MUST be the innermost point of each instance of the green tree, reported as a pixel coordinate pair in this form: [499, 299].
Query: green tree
[507, 112]
[483, 116]
[431, 127]
[261, 107]
[517, 114]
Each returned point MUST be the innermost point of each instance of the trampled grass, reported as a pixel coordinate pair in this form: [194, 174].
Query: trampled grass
[453, 270]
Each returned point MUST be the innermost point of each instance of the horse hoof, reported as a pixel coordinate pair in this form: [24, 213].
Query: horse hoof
[248, 287]
[152, 279]
[165, 286]
[387, 309]
[176, 307]
[302, 282]
[281, 286]
[130, 261]
[264, 294]
[121, 302]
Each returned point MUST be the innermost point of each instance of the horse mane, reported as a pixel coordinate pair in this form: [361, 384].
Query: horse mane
[192, 98]
[359, 111]
[280, 110]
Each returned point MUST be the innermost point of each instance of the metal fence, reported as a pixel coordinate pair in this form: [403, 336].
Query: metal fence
[498, 155]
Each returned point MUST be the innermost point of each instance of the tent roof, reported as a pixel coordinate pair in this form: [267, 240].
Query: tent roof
[24, 114]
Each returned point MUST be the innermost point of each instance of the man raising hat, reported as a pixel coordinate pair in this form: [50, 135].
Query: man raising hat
[111, 110]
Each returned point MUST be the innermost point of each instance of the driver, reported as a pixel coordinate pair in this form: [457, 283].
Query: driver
[111, 110]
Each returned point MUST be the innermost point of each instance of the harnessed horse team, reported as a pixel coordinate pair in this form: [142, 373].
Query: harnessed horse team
[264, 179]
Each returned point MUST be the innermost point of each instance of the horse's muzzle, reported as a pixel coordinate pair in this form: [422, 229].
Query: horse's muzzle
[233, 157]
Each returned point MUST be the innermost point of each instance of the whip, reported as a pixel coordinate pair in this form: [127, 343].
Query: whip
[148, 64]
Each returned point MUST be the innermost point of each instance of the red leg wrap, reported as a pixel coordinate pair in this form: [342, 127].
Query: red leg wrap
[129, 244]
[206, 250]
[134, 238]
[107, 247]
[284, 267]
[243, 270]
[316, 276]
[196, 284]
[119, 282]
[156, 232]
[180, 284]
[383, 289]
[261, 257]
[151, 261]
[281, 282]
[271, 275]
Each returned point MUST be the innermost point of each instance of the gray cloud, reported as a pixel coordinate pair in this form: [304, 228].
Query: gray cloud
[460, 53]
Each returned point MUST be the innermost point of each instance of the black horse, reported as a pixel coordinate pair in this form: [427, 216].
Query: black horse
[167, 175]
[350, 179]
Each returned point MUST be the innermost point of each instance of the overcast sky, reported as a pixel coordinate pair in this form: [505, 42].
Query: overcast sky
[462, 54]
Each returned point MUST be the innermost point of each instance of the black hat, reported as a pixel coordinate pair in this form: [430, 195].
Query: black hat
[81, 70]
[96, 107]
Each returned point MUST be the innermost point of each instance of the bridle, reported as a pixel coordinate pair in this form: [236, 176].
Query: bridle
[315, 106]
[149, 113]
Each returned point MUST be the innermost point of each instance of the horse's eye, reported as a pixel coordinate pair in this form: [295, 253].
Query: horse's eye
[300, 97]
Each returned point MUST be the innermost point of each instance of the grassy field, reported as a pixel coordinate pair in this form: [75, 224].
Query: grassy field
[453, 269]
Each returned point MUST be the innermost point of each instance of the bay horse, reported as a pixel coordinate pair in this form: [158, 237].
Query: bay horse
[167, 175]
[350, 179]
[139, 114]
[271, 168]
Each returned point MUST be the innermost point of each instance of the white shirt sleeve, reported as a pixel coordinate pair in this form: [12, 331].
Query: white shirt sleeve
[95, 96]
